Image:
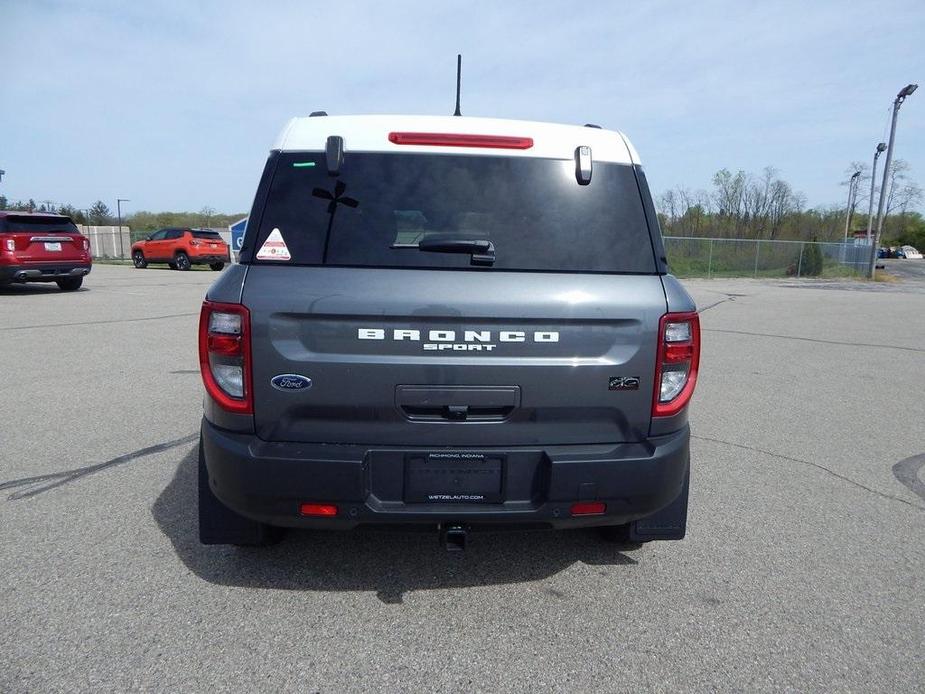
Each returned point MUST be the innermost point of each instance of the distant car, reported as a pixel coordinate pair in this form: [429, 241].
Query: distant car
[909, 253]
[42, 247]
[181, 249]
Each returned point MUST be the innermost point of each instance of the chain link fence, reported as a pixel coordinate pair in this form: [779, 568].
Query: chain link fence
[711, 257]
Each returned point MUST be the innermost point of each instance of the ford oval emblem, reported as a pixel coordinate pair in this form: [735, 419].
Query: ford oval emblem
[291, 382]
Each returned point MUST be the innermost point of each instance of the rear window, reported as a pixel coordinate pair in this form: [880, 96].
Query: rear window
[211, 235]
[382, 205]
[37, 224]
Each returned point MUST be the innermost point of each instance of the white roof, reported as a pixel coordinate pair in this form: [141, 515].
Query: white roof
[371, 134]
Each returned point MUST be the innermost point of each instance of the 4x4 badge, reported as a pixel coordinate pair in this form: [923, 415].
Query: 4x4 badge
[624, 383]
[289, 382]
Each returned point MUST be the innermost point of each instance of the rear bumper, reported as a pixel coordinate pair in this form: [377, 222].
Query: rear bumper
[209, 258]
[269, 481]
[43, 272]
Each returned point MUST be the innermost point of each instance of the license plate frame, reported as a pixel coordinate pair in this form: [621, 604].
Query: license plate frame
[53, 246]
[454, 478]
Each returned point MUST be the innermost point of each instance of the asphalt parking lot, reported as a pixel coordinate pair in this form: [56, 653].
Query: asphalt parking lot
[803, 567]
[908, 270]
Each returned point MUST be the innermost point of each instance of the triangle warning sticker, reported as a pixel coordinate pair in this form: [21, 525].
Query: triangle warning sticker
[274, 248]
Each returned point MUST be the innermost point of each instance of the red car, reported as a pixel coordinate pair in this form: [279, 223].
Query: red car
[181, 249]
[42, 247]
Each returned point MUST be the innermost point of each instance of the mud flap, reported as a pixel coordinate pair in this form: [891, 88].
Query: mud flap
[670, 523]
[219, 525]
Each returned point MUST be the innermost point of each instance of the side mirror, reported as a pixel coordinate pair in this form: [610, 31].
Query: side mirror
[147, 238]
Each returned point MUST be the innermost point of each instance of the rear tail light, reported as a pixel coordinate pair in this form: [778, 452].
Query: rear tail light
[678, 361]
[225, 355]
[86, 244]
[195, 242]
[9, 244]
[456, 140]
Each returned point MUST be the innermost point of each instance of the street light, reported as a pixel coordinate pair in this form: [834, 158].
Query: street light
[119, 202]
[852, 189]
[873, 181]
[903, 93]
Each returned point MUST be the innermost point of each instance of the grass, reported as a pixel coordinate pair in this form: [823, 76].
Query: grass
[686, 267]
[111, 261]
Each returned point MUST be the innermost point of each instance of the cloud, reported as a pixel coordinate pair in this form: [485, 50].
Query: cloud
[174, 104]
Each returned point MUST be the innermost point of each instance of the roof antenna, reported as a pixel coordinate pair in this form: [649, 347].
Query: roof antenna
[458, 80]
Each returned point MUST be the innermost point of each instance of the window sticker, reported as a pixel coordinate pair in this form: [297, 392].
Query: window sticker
[274, 248]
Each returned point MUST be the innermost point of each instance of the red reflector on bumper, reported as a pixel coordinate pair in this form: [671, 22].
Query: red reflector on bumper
[318, 510]
[588, 508]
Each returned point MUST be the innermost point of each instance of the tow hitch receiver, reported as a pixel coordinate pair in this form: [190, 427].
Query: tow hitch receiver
[453, 537]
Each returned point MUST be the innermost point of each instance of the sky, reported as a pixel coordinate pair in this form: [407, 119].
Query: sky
[174, 105]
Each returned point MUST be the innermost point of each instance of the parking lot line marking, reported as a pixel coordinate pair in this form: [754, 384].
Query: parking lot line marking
[814, 339]
[45, 483]
[715, 304]
[98, 322]
[811, 464]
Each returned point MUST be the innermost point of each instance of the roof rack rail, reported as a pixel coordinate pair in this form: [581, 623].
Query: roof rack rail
[315, 114]
[592, 125]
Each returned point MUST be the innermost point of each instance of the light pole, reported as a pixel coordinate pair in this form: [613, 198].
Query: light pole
[903, 93]
[873, 182]
[852, 189]
[119, 202]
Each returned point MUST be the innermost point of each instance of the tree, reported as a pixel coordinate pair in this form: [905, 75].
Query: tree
[903, 192]
[143, 221]
[3, 202]
[729, 194]
[206, 214]
[100, 214]
[812, 260]
[77, 216]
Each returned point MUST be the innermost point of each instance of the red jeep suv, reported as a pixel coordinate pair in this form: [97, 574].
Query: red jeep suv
[181, 249]
[42, 247]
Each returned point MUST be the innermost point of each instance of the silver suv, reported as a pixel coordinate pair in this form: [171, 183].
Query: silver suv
[451, 322]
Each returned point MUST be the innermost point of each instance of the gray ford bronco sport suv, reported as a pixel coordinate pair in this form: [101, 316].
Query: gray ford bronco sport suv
[449, 322]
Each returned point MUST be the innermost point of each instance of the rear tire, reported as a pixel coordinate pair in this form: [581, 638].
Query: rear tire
[218, 267]
[70, 284]
[219, 525]
[138, 259]
[181, 261]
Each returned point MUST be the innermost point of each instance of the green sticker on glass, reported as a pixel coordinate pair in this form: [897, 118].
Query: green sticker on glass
[302, 164]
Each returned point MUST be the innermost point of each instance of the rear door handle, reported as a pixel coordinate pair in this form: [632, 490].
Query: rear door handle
[457, 403]
[458, 413]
